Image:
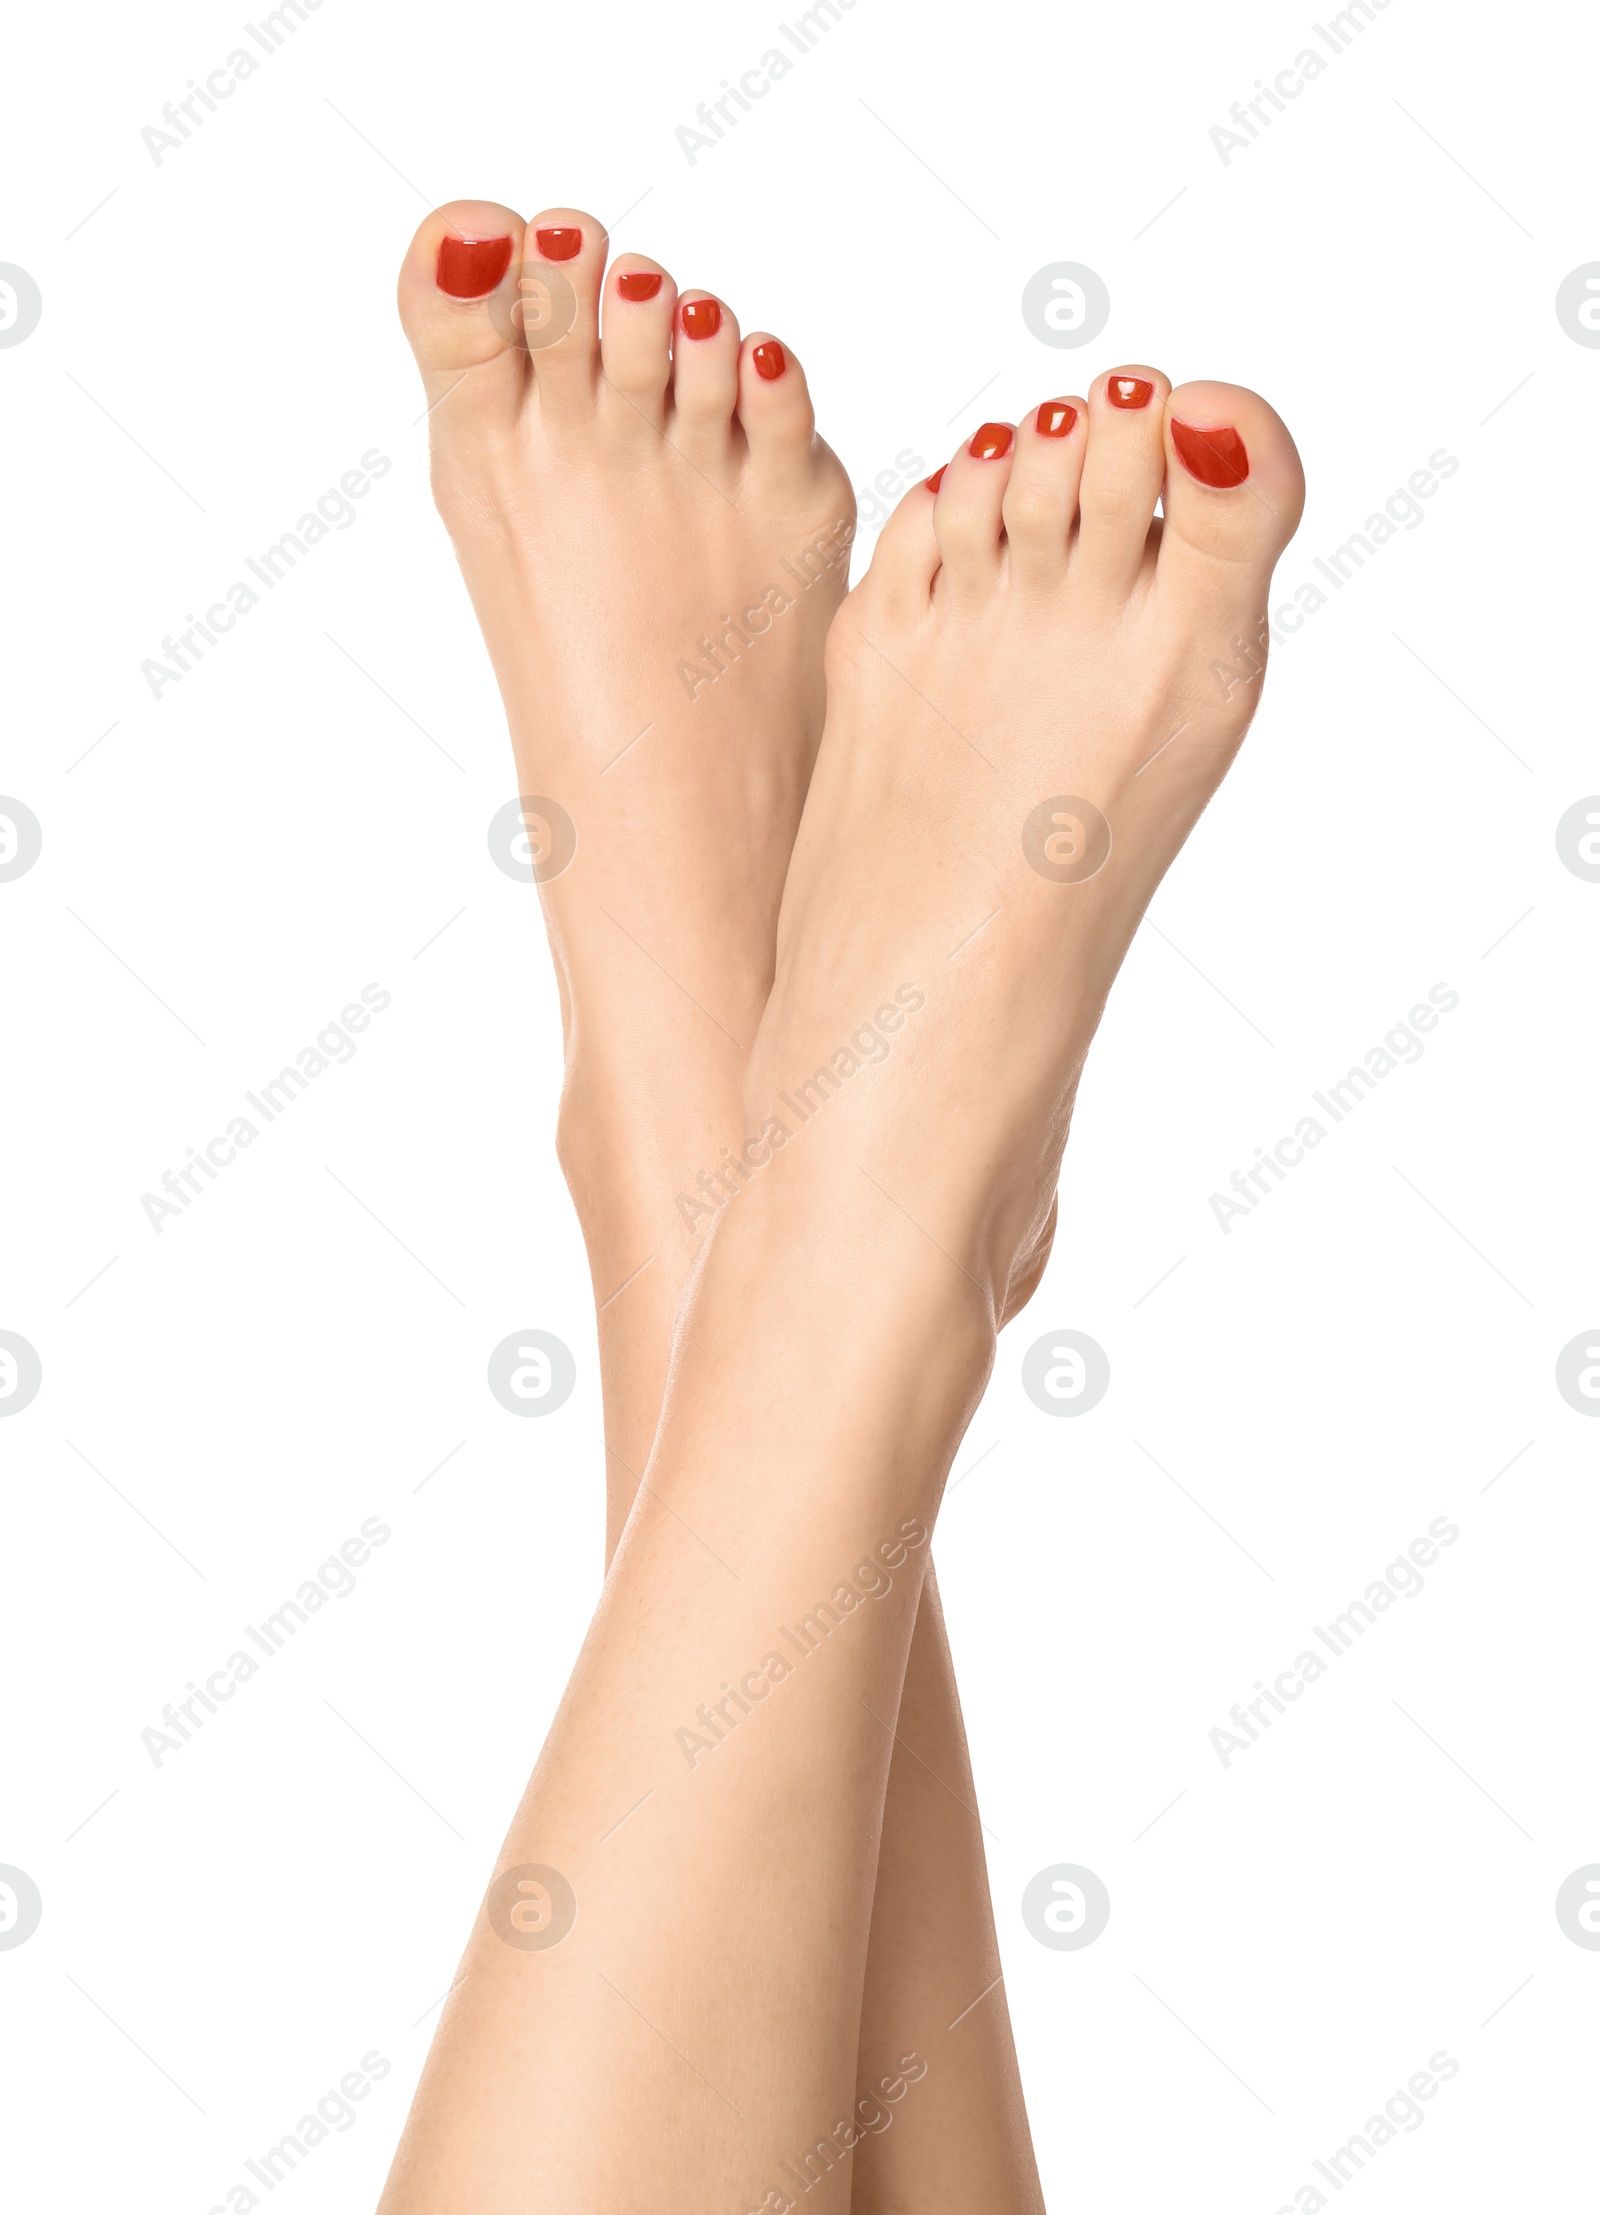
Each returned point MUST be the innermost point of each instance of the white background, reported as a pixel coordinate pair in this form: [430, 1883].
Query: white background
[227, 1935]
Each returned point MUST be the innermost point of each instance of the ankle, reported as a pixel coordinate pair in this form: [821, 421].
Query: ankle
[856, 1366]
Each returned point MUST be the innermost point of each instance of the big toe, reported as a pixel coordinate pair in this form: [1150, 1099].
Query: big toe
[457, 294]
[1234, 486]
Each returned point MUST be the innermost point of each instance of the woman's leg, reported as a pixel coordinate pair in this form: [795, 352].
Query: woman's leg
[682, 842]
[702, 1829]
[927, 2154]
[831, 1351]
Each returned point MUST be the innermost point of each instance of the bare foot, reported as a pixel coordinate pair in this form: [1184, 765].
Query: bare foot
[655, 541]
[1031, 697]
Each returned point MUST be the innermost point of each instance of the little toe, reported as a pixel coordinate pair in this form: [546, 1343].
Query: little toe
[775, 410]
[1041, 498]
[1122, 472]
[905, 561]
[457, 298]
[562, 270]
[966, 513]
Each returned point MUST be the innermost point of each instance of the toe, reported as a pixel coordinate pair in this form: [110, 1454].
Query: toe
[775, 409]
[563, 268]
[966, 513]
[457, 296]
[705, 373]
[636, 341]
[1122, 472]
[1041, 499]
[905, 561]
[1234, 487]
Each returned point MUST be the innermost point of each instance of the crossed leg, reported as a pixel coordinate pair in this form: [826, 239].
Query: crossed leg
[1029, 658]
[655, 543]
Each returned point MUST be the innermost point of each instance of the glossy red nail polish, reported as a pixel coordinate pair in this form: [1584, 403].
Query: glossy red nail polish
[1215, 457]
[560, 242]
[700, 318]
[936, 480]
[770, 359]
[470, 267]
[990, 441]
[640, 284]
[1055, 419]
[1129, 392]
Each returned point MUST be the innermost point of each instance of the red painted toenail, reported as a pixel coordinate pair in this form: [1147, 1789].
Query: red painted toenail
[560, 242]
[640, 284]
[1130, 392]
[470, 267]
[770, 359]
[700, 318]
[1055, 418]
[1215, 457]
[936, 480]
[990, 441]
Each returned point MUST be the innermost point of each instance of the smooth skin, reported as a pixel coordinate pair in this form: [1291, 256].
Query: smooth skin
[611, 496]
[1027, 632]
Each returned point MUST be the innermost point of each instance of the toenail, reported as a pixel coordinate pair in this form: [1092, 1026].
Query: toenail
[470, 267]
[936, 480]
[700, 318]
[640, 284]
[560, 242]
[1130, 392]
[770, 359]
[1055, 418]
[990, 441]
[1215, 457]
